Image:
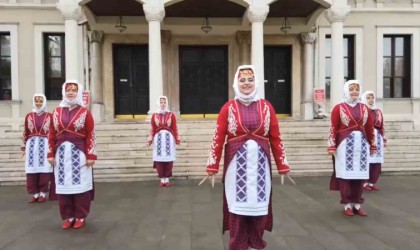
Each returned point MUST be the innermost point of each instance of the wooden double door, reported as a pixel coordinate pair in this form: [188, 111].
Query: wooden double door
[203, 79]
[278, 77]
[131, 80]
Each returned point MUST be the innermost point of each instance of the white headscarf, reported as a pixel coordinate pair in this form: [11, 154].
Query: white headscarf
[347, 98]
[44, 104]
[242, 97]
[159, 109]
[364, 99]
[79, 98]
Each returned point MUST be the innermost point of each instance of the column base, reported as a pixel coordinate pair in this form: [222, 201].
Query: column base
[319, 111]
[307, 111]
[98, 112]
[16, 115]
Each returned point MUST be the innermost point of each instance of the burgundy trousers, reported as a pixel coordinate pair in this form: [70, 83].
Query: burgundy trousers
[374, 172]
[39, 182]
[74, 205]
[351, 191]
[246, 231]
[164, 169]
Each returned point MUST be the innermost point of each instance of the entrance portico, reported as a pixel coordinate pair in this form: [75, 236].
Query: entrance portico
[247, 28]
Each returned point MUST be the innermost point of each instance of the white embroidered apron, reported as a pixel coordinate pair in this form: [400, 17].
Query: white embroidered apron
[71, 174]
[379, 142]
[164, 147]
[248, 181]
[36, 160]
[351, 160]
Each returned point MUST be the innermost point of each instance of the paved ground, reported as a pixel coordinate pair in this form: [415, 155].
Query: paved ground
[183, 217]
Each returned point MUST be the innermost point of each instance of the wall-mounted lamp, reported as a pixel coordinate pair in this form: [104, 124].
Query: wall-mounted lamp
[206, 28]
[285, 27]
[120, 24]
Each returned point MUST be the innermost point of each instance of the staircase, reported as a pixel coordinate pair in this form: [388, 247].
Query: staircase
[124, 155]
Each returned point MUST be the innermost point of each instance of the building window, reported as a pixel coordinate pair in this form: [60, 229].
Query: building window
[54, 65]
[396, 66]
[5, 67]
[348, 57]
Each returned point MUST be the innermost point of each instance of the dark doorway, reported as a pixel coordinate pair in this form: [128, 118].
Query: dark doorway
[278, 77]
[203, 79]
[131, 79]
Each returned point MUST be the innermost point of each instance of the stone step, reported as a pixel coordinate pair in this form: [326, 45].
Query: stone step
[206, 131]
[104, 174]
[202, 161]
[295, 162]
[186, 124]
[21, 180]
[138, 148]
[124, 154]
[210, 124]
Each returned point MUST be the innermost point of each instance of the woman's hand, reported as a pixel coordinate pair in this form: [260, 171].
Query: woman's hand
[23, 154]
[331, 153]
[373, 151]
[51, 161]
[90, 163]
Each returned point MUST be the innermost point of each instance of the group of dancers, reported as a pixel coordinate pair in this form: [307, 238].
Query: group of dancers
[60, 148]
[60, 151]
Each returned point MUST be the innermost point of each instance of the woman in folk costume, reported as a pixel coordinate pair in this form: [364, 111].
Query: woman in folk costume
[351, 140]
[72, 151]
[164, 135]
[377, 159]
[35, 148]
[251, 127]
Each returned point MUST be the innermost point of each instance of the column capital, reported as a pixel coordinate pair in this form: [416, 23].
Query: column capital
[96, 36]
[308, 37]
[154, 10]
[337, 14]
[258, 11]
[69, 9]
[243, 37]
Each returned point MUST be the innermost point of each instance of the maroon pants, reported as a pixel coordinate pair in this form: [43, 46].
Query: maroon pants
[74, 205]
[374, 171]
[39, 182]
[164, 169]
[246, 231]
[351, 191]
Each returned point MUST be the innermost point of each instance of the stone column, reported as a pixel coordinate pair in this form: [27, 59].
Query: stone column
[71, 13]
[155, 12]
[167, 81]
[307, 105]
[336, 16]
[244, 40]
[96, 89]
[257, 13]
[360, 3]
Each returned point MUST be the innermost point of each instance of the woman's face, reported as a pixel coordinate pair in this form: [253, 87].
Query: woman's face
[246, 84]
[39, 101]
[354, 90]
[370, 98]
[71, 92]
[162, 103]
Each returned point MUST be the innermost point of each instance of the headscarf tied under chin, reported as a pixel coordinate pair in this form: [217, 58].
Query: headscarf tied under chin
[364, 99]
[347, 97]
[79, 98]
[166, 109]
[252, 97]
[44, 104]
